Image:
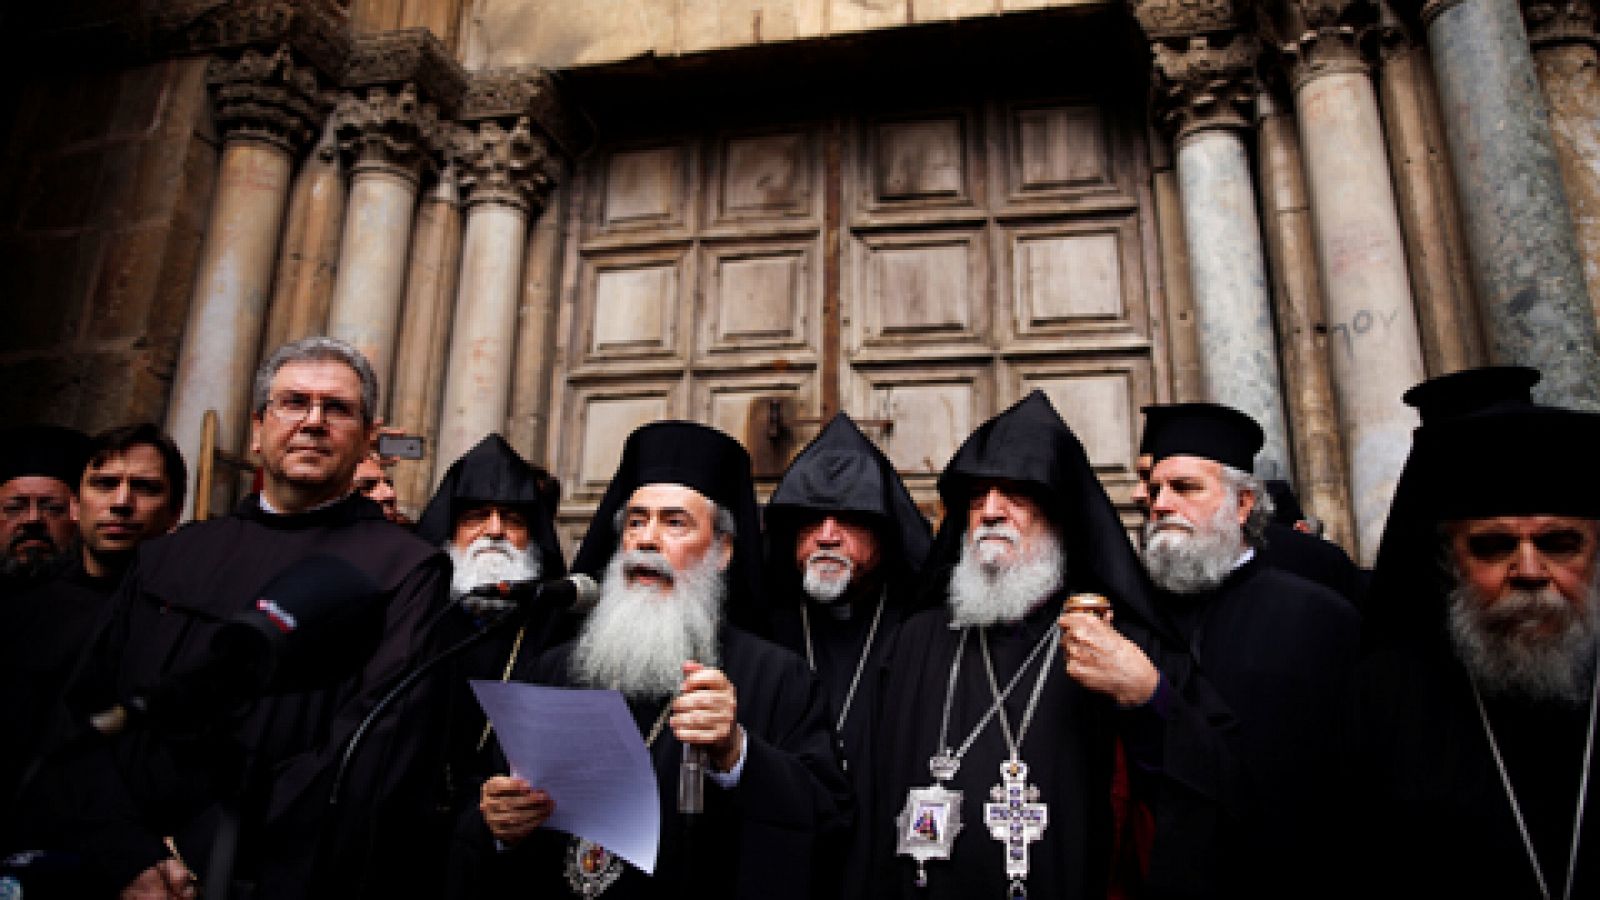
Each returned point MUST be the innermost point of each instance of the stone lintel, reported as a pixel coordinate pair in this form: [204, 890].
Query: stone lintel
[1168, 20]
[1554, 22]
[318, 31]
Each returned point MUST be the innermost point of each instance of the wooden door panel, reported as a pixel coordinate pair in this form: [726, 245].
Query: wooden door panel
[646, 187]
[759, 298]
[764, 176]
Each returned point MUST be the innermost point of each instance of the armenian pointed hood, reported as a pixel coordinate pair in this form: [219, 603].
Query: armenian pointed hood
[492, 472]
[841, 470]
[701, 458]
[1030, 446]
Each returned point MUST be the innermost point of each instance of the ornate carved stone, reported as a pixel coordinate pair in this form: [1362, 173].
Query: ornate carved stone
[267, 96]
[317, 30]
[408, 56]
[1201, 83]
[1166, 19]
[512, 164]
[505, 95]
[388, 127]
[1391, 36]
[1317, 37]
[1560, 22]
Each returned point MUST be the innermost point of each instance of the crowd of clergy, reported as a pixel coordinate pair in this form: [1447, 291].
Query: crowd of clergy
[1036, 697]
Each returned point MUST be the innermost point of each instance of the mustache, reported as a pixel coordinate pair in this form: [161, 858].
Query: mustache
[1004, 532]
[32, 531]
[826, 556]
[1522, 608]
[647, 562]
[1172, 521]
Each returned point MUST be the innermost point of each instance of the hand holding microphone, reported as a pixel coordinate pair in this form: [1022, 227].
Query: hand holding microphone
[704, 719]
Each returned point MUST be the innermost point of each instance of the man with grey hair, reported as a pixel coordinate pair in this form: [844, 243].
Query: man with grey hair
[147, 805]
[1475, 714]
[676, 540]
[1278, 648]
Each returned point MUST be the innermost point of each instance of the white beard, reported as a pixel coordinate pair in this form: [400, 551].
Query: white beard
[986, 588]
[638, 638]
[488, 561]
[1197, 558]
[823, 588]
[1498, 644]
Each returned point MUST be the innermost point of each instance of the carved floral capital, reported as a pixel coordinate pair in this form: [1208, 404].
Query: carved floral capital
[506, 163]
[1204, 83]
[1312, 38]
[1552, 22]
[266, 95]
[386, 127]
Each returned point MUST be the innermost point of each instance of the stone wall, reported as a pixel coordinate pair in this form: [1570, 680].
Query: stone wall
[104, 186]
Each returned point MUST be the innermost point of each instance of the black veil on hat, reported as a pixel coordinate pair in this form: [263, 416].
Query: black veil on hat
[493, 473]
[1207, 430]
[701, 458]
[841, 470]
[48, 451]
[1030, 446]
[1476, 465]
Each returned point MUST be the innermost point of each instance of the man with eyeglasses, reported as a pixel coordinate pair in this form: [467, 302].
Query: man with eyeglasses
[39, 470]
[1475, 716]
[146, 807]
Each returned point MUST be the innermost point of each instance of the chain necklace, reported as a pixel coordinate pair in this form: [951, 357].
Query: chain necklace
[1511, 794]
[953, 758]
[861, 664]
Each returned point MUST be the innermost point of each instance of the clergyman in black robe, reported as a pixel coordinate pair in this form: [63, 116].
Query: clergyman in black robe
[1025, 472]
[1278, 648]
[268, 764]
[675, 542]
[840, 501]
[1475, 699]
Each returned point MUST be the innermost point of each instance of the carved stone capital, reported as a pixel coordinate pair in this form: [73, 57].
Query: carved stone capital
[317, 30]
[507, 163]
[1312, 38]
[1164, 20]
[266, 95]
[390, 128]
[1200, 83]
[1552, 22]
[533, 95]
[410, 56]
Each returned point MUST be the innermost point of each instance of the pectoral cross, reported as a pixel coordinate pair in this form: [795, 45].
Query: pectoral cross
[1016, 819]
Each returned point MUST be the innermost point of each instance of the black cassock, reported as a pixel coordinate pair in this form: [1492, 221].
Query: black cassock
[1314, 559]
[125, 795]
[1427, 813]
[1280, 651]
[759, 839]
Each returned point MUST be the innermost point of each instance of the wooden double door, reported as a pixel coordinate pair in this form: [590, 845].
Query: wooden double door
[920, 269]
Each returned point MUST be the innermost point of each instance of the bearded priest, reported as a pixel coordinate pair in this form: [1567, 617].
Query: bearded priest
[676, 544]
[1002, 706]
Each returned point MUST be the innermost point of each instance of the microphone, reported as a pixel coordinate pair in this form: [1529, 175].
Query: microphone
[298, 633]
[576, 592]
[692, 780]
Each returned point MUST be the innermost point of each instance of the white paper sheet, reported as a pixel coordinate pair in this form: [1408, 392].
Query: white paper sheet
[582, 748]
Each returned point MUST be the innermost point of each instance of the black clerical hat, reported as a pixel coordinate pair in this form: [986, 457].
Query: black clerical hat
[492, 472]
[1207, 430]
[1509, 462]
[1471, 391]
[51, 451]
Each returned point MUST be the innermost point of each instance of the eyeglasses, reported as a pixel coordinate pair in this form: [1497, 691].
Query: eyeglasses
[17, 507]
[294, 408]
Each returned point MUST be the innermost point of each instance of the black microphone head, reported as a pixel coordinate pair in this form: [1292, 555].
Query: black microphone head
[316, 602]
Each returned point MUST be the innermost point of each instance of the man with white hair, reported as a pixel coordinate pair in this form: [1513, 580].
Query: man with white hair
[1278, 648]
[1475, 709]
[677, 540]
[1002, 707]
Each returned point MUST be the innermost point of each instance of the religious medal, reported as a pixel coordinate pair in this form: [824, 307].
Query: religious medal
[591, 868]
[1016, 818]
[928, 826]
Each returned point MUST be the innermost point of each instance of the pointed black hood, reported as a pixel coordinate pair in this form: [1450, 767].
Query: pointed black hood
[841, 470]
[1029, 445]
[698, 457]
[492, 472]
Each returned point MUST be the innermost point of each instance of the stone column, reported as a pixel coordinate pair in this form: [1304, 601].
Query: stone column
[1430, 218]
[1188, 382]
[266, 107]
[528, 420]
[425, 334]
[1204, 88]
[1525, 259]
[303, 282]
[1565, 56]
[385, 133]
[506, 179]
[1302, 322]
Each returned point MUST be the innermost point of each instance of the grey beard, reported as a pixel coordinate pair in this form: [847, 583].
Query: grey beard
[1504, 658]
[488, 561]
[826, 590]
[638, 638]
[1199, 560]
[985, 591]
